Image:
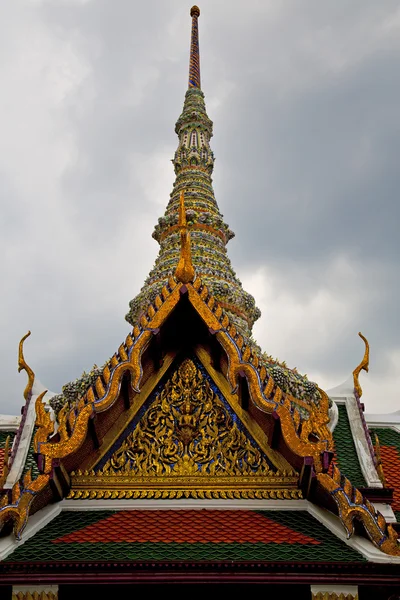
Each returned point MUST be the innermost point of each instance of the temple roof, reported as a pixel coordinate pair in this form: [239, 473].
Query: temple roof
[197, 536]
[189, 447]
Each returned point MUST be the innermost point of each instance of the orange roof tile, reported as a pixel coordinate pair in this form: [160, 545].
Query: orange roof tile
[391, 469]
[187, 526]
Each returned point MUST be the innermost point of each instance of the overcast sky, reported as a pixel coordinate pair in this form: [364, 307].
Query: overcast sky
[305, 99]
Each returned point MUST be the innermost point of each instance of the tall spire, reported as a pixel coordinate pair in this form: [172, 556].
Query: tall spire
[194, 62]
[209, 234]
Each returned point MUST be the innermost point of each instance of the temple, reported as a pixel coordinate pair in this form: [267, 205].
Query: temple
[191, 457]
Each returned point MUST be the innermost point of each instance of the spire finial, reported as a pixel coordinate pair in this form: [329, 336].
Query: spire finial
[364, 364]
[194, 63]
[185, 270]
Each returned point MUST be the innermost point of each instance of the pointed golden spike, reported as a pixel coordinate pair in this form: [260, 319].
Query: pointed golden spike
[122, 352]
[185, 270]
[106, 374]
[246, 353]
[364, 364]
[269, 387]
[100, 389]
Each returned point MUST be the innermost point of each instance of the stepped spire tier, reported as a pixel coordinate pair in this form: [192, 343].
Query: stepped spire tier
[209, 234]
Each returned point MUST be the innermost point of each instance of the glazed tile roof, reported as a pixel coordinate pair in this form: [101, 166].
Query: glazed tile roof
[184, 535]
[389, 441]
[30, 462]
[3, 437]
[345, 450]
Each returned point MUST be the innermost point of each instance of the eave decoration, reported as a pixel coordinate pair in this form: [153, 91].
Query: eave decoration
[354, 508]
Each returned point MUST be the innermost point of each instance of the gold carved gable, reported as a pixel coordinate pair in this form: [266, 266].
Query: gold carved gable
[187, 444]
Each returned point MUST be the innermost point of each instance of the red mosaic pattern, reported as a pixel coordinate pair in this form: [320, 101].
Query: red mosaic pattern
[391, 469]
[187, 526]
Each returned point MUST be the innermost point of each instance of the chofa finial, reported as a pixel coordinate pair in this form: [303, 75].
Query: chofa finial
[23, 365]
[185, 270]
[364, 364]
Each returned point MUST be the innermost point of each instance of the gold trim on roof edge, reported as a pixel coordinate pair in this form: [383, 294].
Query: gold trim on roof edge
[34, 595]
[18, 510]
[81, 489]
[334, 596]
[22, 365]
[364, 365]
[44, 422]
[295, 433]
[352, 506]
[76, 420]
[232, 399]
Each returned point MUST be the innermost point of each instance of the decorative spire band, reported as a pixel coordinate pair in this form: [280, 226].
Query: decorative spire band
[194, 63]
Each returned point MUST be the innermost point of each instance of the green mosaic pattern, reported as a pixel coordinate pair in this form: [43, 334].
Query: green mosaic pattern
[40, 548]
[4, 435]
[387, 436]
[30, 462]
[346, 454]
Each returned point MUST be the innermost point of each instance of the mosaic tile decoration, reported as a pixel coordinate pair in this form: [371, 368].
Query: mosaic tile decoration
[389, 441]
[345, 450]
[184, 535]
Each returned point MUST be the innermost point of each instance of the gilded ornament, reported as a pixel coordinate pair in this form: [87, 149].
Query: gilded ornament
[352, 506]
[334, 596]
[186, 445]
[23, 365]
[44, 422]
[184, 271]
[22, 498]
[364, 365]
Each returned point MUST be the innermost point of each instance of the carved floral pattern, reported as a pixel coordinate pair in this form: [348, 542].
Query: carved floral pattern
[187, 430]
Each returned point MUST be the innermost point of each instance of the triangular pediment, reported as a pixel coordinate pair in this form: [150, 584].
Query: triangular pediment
[187, 439]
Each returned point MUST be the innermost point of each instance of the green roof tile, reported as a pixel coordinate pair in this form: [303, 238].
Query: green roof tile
[346, 453]
[4, 435]
[47, 545]
[30, 462]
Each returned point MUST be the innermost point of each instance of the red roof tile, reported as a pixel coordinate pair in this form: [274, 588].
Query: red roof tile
[187, 526]
[391, 469]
